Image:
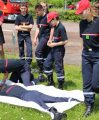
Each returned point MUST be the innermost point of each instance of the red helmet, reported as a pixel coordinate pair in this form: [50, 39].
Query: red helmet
[51, 16]
[82, 5]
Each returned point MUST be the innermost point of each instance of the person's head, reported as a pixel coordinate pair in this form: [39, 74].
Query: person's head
[53, 18]
[39, 10]
[84, 10]
[45, 6]
[23, 8]
[96, 7]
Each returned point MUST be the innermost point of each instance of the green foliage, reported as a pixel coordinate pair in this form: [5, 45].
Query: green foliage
[57, 3]
[69, 2]
[67, 14]
[64, 14]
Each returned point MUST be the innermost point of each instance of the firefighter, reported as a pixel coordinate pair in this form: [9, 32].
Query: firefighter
[2, 41]
[89, 32]
[57, 52]
[18, 68]
[23, 24]
[42, 34]
[38, 97]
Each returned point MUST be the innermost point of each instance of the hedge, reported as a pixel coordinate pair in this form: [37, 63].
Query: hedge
[68, 15]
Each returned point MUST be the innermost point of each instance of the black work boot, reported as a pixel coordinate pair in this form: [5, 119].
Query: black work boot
[60, 84]
[57, 115]
[42, 77]
[50, 80]
[89, 109]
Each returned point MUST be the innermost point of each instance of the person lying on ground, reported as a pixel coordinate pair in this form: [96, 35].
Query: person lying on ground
[38, 97]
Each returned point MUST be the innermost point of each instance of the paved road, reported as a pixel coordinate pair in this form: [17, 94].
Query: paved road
[73, 48]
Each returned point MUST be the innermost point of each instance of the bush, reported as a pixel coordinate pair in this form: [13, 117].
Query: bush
[64, 14]
[57, 3]
[67, 15]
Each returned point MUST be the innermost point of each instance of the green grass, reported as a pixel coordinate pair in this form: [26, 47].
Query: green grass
[73, 80]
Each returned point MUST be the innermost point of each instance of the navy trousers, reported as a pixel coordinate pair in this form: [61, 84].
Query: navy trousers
[27, 40]
[41, 98]
[56, 56]
[90, 73]
[41, 52]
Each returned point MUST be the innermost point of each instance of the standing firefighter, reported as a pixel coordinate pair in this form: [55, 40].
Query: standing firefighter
[89, 32]
[24, 23]
[57, 52]
[42, 34]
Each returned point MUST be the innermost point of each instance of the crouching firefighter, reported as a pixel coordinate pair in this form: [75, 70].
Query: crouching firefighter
[19, 68]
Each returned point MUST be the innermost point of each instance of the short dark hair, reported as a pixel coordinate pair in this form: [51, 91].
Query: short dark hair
[23, 4]
[39, 6]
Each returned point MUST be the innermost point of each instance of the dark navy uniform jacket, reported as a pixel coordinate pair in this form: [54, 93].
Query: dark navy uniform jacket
[60, 33]
[12, 65]
[89, 31]
[43, 26]
[27, 19]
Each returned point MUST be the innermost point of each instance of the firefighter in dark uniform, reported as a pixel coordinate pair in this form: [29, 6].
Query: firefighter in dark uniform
[42, 33]
[24, 23]
[2, 41]
[57, 52]
[89, 32]
[19, 68]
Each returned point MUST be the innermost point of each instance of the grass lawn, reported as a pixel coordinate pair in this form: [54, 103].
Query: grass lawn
[73, 80]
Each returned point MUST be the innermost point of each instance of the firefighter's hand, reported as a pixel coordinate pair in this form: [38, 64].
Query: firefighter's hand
[34, 42]
[49, 41]
[51, 44]
[21, 28]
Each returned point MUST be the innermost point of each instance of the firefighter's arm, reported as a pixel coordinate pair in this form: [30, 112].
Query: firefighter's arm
[36, 36]
[52, 44]
[28, 27]
[5, 76]
[19, 28]
[51, 35]
[4, 80]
